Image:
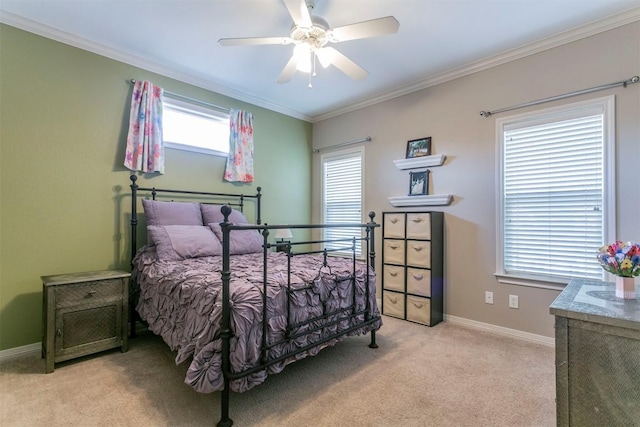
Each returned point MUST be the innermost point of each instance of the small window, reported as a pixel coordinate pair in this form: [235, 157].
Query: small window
[342, 197]
[192, 127]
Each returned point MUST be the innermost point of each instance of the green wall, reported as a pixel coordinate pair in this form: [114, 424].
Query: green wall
[63, 190]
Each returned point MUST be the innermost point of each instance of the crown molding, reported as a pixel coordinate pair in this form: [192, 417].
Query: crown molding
[532, 48]
[144, 63]
[222, 88]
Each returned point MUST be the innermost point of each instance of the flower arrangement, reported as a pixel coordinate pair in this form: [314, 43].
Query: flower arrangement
[620, 258]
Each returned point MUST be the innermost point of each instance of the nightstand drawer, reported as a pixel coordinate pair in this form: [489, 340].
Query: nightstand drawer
[419, 310]
[419, 253]
[419, 226]
[394, 225]
[393, 277]
[393, 251]
[393, 304]
[88, 293]
[419, 282]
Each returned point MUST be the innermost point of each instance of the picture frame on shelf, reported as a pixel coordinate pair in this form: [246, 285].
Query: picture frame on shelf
[418, 183]
[419, 147]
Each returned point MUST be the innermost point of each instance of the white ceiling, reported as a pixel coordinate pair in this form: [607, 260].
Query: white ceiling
[438, 40]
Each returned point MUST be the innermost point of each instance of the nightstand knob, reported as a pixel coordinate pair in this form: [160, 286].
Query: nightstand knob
[90, 293]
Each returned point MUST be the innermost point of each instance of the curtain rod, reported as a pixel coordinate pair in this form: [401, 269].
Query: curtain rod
[624, 83]
[197, 101]
[355, 141]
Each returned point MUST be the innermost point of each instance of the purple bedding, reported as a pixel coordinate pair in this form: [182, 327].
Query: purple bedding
[181, 301]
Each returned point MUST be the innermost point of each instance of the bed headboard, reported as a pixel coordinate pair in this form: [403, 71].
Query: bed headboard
[234, 200]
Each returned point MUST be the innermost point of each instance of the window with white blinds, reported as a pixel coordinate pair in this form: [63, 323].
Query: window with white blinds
[342, 196]
[555, 192]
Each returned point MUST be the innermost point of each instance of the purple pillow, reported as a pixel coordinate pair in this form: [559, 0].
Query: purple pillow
[178, 242]
[242, 241]
[172, 213]
[211, 214]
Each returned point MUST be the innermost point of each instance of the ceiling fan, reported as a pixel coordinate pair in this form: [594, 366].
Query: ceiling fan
[311, 35]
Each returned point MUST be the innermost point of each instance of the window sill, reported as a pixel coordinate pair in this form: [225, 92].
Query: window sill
[553, 284]
[183, 147]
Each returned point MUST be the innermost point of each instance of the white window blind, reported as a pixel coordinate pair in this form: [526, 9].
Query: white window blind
[553, 197]
[342, 197]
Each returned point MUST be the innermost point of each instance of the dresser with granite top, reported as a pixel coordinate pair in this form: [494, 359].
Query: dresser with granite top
[597, 356]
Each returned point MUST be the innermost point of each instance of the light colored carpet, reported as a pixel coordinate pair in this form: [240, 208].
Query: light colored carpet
[447, 375]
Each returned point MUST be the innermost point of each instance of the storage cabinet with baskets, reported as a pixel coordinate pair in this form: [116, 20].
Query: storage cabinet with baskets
[413, 266]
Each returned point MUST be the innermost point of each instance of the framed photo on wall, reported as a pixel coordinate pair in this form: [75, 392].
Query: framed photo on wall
[419, 147]
[418, 183]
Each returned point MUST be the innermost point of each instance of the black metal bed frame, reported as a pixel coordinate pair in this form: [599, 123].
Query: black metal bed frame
[327, 319]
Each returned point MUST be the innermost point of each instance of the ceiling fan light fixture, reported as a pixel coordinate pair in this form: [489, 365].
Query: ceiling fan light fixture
[302, 53]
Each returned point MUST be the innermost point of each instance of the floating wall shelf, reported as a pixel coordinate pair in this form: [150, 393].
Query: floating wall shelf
[434, 200]
[420, 162]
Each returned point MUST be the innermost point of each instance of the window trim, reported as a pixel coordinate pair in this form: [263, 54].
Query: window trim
[607, 107]
[336, 155]
[195, 109]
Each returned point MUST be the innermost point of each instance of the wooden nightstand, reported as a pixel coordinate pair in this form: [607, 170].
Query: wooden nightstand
[83, 313]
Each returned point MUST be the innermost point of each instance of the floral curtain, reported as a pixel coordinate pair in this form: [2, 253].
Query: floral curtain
[240, 160]
[145, 149]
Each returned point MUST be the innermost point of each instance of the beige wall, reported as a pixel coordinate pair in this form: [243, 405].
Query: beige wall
[449, 113]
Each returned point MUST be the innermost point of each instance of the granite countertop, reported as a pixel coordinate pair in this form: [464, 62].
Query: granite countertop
[596, 301]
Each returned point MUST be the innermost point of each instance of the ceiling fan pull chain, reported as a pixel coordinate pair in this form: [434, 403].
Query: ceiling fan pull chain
[313, 62]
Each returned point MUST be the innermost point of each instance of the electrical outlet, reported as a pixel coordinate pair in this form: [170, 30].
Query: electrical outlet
[513, 301]
[488, 297]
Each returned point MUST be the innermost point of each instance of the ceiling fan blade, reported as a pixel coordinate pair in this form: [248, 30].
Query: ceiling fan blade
[361, 30]
[325, 55]
[288, 71]
[346, 65]
[299, 12]
[244, 41]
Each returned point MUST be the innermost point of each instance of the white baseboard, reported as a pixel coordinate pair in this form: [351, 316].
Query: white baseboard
[513, 333]
[35, 349]
[19, 352]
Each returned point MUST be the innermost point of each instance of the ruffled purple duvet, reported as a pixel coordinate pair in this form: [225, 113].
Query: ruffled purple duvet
[181, 301]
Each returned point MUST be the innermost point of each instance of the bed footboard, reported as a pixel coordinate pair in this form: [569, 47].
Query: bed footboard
[358, 317]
